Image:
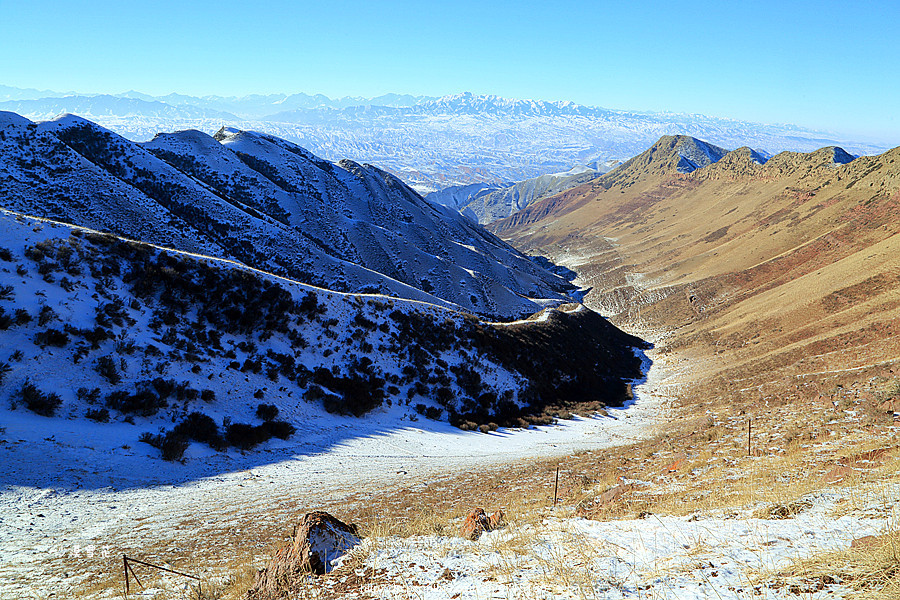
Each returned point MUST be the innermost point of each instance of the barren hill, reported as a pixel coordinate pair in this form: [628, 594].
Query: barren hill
[778, 278]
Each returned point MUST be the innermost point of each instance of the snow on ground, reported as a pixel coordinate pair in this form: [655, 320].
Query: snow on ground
[65, 490]
[53, 507]
[722, 556]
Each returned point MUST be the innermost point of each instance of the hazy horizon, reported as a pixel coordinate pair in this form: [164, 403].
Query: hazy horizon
[817, 65]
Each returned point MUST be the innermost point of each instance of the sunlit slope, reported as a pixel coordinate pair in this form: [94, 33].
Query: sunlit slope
[780, 273]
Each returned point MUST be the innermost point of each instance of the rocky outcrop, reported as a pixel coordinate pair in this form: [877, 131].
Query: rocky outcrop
[478, 522]
[318, 539]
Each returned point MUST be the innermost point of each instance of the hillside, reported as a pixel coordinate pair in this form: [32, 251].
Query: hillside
[486, 205]
[777, 279]
[271, 205]
[151, 334]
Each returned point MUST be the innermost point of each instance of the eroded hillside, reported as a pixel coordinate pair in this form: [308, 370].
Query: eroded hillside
[778, 279]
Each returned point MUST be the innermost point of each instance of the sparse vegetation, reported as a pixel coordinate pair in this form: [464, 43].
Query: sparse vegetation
[39, 402]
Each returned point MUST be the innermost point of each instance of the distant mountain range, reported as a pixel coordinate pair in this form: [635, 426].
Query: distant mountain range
[269, 204]
[430, 143]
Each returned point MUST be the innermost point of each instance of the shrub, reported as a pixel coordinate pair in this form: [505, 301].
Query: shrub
[106, 367]
[200, 428]
[6, 292]
[51, 337]
[38, 402]
[280, 429]
[4, 369]
[89, 396]
[170, 444]
[245, 436]
[46, 315]
[267, 412]
[101, 415]
[208, 396]
[144, 402]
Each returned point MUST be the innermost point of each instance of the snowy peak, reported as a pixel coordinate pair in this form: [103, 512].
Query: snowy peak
[671, 154]
[695, 154]
[468, 103]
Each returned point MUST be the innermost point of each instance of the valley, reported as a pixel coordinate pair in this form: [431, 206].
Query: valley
[206, 337]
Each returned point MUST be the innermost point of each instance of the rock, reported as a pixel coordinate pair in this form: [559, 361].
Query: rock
[869, 541]
[605, 501]
[477, 522]
[318, 539]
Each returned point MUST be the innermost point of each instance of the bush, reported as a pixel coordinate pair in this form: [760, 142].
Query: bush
[4, 369]
[208, 396]
[245, 436]
[106, 367]
[39, 402]
[51, 337]
[101, 415]
[170, 444]
[200, 428]
[46, 315]
[144, 402]
[280, 429]
[266, 412]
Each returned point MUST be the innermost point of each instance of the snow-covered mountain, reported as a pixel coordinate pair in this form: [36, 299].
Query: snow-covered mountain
[434, 143]
[269, 204]
[105, 105]
[499, 204]
[458, 196]
[99, 328]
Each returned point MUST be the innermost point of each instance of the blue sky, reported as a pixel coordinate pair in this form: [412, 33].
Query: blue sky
[827, 65]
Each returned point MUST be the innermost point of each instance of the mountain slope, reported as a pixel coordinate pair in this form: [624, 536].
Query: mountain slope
[269, 204]
[777, 278]
[501, 203]
[107, 329]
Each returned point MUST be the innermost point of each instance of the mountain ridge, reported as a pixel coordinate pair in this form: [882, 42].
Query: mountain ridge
[270, 204]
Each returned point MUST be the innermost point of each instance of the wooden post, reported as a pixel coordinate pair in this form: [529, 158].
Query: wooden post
[556, 486]
[749, 421]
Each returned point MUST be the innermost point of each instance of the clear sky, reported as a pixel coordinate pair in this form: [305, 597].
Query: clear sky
[824, 64]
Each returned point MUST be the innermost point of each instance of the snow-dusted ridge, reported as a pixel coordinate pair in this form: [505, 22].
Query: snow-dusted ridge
[102, 328]
[269, 204]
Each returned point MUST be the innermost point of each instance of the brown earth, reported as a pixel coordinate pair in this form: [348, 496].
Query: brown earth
[777, 281]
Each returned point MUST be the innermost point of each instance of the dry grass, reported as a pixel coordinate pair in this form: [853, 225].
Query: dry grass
[872, 571]
[695, 465]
